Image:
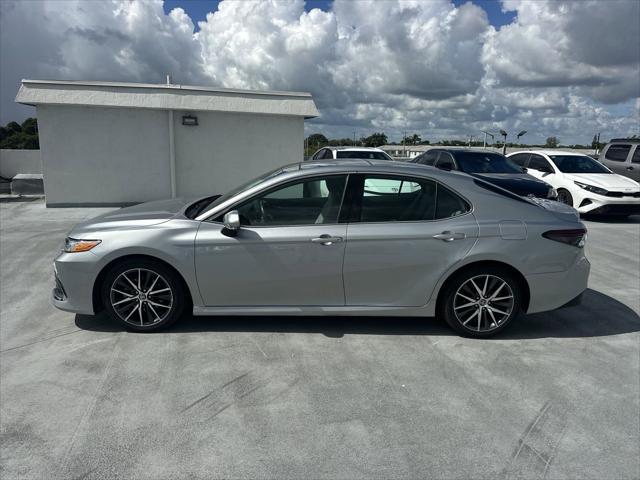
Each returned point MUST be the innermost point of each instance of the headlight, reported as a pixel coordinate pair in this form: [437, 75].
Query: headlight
[591, 188]
[72, 245]
[552, 194]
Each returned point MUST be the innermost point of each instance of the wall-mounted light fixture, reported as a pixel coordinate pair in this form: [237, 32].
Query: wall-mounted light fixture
[189, 120]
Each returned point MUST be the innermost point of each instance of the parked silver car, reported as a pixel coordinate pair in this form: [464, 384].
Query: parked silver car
[323, 239]
[622, 155]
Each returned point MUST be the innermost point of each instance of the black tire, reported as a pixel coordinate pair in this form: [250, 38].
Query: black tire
[157, 310]
[565, 197]
[490, 322]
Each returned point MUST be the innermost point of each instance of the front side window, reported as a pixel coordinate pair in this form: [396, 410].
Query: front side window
[307, 202]
[519, 159]
[427, 158]
[578, 164]
[446, 161]
[617, 153]
[540, 164]
[398, 199]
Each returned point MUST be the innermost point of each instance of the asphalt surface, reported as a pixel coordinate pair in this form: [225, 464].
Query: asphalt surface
[555, 396]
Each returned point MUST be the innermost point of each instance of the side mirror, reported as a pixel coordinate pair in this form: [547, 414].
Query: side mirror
[525, 170]
[231, 223]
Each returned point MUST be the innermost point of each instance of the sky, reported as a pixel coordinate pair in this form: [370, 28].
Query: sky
[439, 68]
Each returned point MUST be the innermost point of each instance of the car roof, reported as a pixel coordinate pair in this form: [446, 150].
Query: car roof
[552, 152]
[464, 149]
[357, 149]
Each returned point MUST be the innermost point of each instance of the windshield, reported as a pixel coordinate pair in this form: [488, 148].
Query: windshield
[366, 154]
[202, 206]
[578, 164]
[481, 162]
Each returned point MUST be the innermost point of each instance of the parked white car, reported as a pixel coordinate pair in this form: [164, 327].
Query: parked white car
[582, 182]
[337, 153]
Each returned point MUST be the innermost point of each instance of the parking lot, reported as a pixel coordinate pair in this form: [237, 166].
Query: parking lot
[557, 395]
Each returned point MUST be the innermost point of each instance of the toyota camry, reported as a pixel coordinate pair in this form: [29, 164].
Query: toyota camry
[351, 237]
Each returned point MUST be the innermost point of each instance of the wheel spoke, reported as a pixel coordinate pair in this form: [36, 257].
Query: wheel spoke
[486, 282]
[497, 291]
[122, 293]
[499, 299]
[492, 317]
[153, 284]
[465, 305]
[158, 304]
[471, 317]
[137, 307]
[476, 287]
[466, 298]
[130, 282]
[128, 299]
[154, 312]
[140, 315]
[159, 291]
[493, 309]
[139, 286]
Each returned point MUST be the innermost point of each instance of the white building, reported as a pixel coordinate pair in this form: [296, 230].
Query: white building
[106, 143]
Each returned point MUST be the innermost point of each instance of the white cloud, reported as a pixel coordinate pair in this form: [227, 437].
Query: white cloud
[562, 68]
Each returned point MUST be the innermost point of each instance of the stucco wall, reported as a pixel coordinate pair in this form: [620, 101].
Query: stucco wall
[103, 155]
[13, 162]
[227, 149]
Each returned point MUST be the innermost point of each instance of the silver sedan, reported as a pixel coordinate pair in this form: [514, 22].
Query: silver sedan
[337, 238]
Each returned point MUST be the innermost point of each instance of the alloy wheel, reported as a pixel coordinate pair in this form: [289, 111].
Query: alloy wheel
[141, 297]
[483, 303]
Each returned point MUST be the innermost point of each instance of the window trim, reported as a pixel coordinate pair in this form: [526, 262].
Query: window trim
[455, 168]
[285, 184]
[391, 176]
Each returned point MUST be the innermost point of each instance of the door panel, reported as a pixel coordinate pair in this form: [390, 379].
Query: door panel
[399, 264]
[285, 266]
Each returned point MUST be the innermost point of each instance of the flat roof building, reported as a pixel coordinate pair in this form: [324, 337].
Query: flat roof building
[106, 143]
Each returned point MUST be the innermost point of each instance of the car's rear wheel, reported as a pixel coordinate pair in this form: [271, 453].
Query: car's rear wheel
[565, 197]
[482, 301]
[143, 295]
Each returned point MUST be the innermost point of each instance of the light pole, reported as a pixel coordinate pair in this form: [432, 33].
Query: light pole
[485, 138]
[504, 146]
[519, 135]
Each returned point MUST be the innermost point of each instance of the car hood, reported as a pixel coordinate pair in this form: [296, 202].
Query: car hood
[518, 183]
[608, 181]
[141, 215]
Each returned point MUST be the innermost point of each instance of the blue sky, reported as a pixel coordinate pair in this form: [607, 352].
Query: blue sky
[198, 9]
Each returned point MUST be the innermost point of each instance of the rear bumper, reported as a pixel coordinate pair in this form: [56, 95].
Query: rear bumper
[549, 291]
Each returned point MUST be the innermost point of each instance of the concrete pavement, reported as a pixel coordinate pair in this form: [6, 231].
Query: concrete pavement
[556, 396]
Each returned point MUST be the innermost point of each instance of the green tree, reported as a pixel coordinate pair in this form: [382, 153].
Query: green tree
[552, 142]
[375, 140]
[30, 126]
[317, 139]
[16, 136]
[412, 140]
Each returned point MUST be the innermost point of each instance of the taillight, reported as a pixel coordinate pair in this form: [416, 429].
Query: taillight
[575, 237]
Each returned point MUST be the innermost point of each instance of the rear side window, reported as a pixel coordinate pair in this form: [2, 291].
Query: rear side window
[396, 199]
[362, 154]
[446, 161]
[540, 164]
[617, 153]
[636, 155]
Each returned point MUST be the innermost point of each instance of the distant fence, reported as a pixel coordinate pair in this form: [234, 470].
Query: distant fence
[13, 162]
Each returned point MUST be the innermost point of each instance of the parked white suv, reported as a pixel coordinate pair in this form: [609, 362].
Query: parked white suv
[622, 155]
[333, 153]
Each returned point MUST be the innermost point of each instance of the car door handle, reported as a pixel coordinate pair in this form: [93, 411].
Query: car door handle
[449, 236]
[326, 240]
[629, 168]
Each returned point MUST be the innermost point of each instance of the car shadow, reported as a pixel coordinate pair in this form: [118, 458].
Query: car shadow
[598, 315]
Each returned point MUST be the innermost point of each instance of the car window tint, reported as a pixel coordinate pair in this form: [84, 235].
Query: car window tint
[362, 154]
[314, 201]
[539, 163]
[386, 199]
[449, 204]
[427, 158]
[617, 153]
[636, 155]
[446, 161]
[519, 159]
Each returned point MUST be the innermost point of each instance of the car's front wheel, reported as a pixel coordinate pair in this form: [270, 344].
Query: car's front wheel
[480, 302]
[143, 295]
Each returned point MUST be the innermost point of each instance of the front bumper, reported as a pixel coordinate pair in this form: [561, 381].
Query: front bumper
[548, 291]
[74, 277]
[605, 205]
